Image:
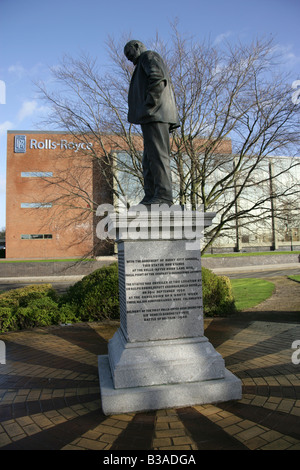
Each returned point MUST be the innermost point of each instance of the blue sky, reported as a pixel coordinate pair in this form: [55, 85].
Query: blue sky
[35, 34]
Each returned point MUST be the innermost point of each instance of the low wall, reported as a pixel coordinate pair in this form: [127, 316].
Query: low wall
[240, 261]
[53, 268]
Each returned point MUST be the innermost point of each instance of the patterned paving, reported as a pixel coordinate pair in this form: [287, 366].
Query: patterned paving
[49, 394]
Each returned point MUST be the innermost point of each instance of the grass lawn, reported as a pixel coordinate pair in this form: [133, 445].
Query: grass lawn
[73, 260]
[295, 278]
[250, 292]
[258, 253]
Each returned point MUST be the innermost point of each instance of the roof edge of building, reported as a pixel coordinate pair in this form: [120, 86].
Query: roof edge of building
[69, 132]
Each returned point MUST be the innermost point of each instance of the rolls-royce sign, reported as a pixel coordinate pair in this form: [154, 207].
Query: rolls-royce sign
[48, 144]
[20, 143]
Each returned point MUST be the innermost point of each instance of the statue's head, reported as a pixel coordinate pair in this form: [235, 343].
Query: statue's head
[133, 49]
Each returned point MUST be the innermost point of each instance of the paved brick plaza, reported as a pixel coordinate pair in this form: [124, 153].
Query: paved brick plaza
[49, 392]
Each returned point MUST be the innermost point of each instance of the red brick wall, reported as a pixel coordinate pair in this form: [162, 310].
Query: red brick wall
[69, 220]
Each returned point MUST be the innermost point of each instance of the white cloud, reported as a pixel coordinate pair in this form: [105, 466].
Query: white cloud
[286, 53]
[17, 70]
[29, 108]
[221, 37]
[5, 126]
[20, 72]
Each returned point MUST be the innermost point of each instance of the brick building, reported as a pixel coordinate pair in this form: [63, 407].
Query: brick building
[55, 184]
[44, 169]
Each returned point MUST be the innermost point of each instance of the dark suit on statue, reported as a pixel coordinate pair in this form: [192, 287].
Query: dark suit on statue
[151, 104]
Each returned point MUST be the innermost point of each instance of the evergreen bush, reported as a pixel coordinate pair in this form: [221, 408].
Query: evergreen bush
[94, 298]
[7, 319]
[22, 296]
[31, 306]
[218, 298]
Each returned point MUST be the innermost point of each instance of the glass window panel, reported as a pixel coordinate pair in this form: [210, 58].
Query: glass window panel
[36, 174]
[35, 205]
[36, 236]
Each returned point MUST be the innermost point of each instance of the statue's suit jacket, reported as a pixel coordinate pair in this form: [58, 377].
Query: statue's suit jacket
[151, 97]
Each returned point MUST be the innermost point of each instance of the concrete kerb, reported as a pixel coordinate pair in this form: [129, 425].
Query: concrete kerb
[243, 261]
[257, 268]
[45, 279]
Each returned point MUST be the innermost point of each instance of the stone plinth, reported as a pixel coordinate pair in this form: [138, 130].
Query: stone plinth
[159, 357]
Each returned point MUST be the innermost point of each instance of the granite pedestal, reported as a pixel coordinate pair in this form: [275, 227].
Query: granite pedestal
[159, 357]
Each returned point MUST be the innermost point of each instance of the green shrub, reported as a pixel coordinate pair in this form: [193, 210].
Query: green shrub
[7, 319]
[66, 314]
[44, 312]
[31, 306]
[39, 312]
[96, 296]
[22, 296]
[218, 299]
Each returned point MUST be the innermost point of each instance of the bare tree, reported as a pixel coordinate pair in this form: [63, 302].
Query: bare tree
[235, 111]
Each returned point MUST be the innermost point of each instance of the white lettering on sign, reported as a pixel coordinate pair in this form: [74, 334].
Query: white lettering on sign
[63, 144]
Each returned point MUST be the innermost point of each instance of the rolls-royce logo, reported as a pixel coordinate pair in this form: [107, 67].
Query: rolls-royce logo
[20, 143]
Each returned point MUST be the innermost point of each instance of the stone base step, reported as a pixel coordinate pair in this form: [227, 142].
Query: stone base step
[156, 397]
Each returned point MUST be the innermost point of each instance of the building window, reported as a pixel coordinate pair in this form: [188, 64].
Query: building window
[35, 205]
[36, 174]
[36, 236]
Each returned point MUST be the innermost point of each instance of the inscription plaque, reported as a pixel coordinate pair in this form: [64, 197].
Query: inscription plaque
[160, 287]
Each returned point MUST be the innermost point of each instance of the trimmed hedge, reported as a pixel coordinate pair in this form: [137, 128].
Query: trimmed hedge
[94, 298]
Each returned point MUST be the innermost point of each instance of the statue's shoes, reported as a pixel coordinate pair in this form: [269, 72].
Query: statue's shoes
[156, 200]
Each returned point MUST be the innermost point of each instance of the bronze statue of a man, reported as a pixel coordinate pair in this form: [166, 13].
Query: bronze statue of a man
[151, 103]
